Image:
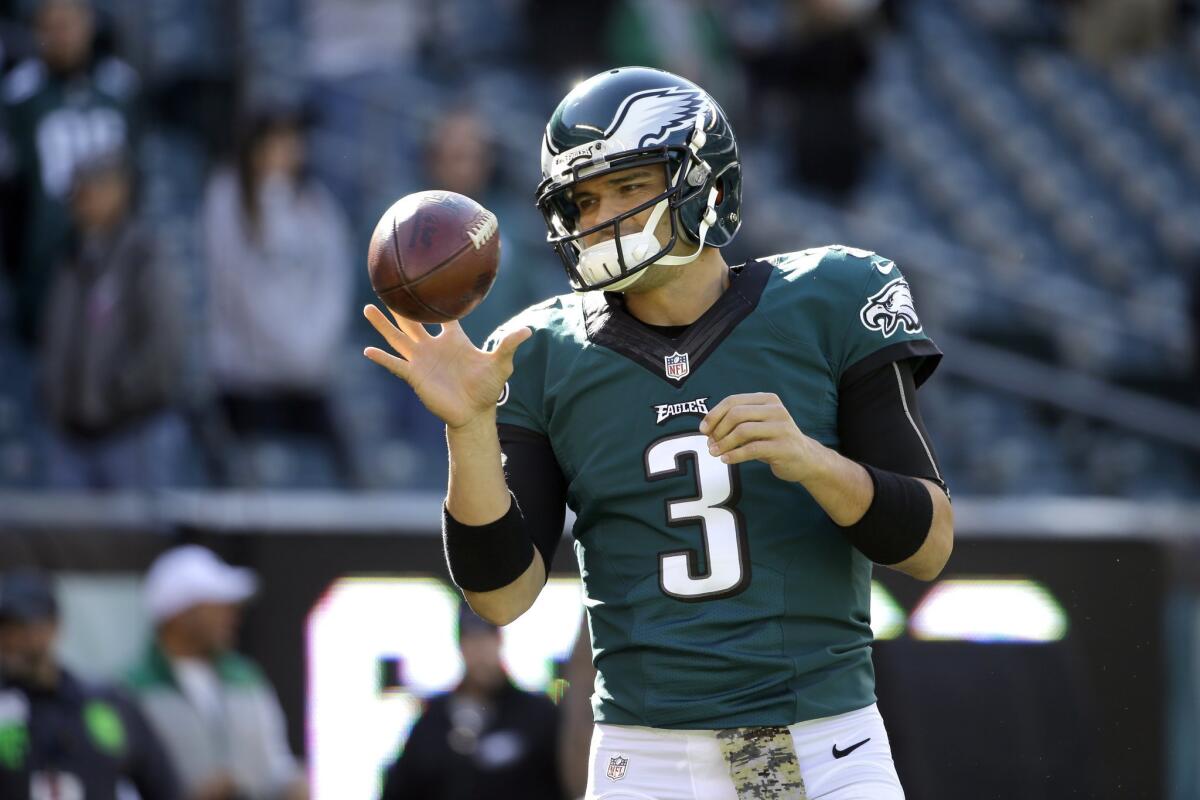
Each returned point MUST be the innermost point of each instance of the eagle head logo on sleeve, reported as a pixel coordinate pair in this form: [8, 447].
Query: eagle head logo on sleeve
[891, 308]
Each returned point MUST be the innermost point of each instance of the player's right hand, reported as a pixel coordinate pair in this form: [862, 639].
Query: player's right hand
[455, 380]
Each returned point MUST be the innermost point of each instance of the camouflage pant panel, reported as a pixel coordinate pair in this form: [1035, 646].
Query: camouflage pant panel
[762, 763]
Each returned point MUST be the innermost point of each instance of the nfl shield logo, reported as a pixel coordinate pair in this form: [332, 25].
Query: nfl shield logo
[676, 366]
[616, 768]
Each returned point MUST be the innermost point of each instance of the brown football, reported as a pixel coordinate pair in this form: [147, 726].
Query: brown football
[433, 256]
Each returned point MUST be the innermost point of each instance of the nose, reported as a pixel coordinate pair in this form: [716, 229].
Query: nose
[602, 235]
[601, 211]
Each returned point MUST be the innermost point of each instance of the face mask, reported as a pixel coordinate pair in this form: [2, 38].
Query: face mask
[601, 261]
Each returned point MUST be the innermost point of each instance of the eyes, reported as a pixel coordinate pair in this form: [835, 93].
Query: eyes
[588, 202]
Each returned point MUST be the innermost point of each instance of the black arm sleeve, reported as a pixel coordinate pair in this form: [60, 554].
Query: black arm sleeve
[538, 484]
[486, 557]
[879, 423]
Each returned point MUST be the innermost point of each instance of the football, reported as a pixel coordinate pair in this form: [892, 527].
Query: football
[434, 255]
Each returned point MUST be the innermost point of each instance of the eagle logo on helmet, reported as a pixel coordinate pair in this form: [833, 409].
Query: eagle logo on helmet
[643, 119]
[891, 308]
[648, 117]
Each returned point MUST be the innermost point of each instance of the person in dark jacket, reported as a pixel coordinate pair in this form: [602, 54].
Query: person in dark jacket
[486, 738]
[61, 737]
[112, 345]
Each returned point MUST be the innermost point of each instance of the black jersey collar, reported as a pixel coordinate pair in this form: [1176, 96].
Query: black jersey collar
[609, 325]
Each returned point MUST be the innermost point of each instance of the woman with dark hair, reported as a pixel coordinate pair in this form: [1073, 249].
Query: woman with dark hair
[276, 246]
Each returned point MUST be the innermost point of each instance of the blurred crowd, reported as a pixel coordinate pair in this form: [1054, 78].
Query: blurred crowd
[194, 719]
[131, 380]
[161, 341]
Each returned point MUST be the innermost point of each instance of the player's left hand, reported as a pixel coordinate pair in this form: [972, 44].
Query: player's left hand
[757, 427]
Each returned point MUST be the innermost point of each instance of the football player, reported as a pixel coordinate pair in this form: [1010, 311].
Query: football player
[739, 444]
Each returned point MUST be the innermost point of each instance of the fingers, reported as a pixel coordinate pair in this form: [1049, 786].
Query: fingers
[759, 450]
[511, 341]
[397, 339]
[739, 408]
[411, 328]
[397, 366]
[454, 328]
[743, 434]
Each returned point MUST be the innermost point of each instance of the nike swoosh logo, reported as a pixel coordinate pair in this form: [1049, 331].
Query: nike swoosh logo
[843, 753]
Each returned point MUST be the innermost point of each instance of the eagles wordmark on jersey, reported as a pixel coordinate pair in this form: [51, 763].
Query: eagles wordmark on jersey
[719, 596]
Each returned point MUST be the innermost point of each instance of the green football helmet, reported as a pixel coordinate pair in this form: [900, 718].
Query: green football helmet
[635, 117]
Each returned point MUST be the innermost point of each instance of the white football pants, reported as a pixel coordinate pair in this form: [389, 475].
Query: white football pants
[635, 763]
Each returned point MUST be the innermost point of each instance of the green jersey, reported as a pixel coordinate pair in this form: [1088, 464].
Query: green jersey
[52, 124]
[718, 596]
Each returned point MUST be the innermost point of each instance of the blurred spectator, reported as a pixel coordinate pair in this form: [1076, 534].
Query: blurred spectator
[460, 158]
[59, 736]
[575, 709]
[455, 46]
[344, 38]
[809, 61]
[280, 282]
[214, 709]
[61, 108]
[112, 345]
[681, 36]
[486, 738]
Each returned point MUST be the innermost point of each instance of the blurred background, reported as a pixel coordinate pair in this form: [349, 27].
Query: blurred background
[187, 193]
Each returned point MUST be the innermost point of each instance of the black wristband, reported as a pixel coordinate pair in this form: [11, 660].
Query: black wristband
[486, 557]
[897, 521]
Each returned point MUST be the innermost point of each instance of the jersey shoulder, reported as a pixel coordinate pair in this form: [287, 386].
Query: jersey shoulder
[549, 319]
[857, 304]
[836, 266]
[557, 326]
[823, 286]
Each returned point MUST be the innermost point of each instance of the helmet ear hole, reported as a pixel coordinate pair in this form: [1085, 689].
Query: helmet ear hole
[720, 190]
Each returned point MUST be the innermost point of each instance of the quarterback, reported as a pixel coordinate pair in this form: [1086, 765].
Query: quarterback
[739, 445]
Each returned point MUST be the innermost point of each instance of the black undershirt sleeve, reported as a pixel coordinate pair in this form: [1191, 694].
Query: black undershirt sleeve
[538, 485]
[879, 423]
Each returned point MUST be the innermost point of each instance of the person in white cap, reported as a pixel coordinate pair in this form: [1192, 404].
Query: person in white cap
[213, 708]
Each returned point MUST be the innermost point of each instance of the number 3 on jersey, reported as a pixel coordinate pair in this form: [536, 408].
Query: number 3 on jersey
[726, 569]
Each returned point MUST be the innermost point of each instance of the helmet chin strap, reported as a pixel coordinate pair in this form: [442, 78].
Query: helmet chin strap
[707, 221]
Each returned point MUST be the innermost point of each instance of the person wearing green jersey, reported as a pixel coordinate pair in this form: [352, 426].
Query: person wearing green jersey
[739, 445]
[64, 108]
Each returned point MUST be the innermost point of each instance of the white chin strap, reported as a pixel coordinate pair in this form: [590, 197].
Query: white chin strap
[600, 262]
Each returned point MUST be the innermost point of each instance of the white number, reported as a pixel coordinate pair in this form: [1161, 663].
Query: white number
[728, 569]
